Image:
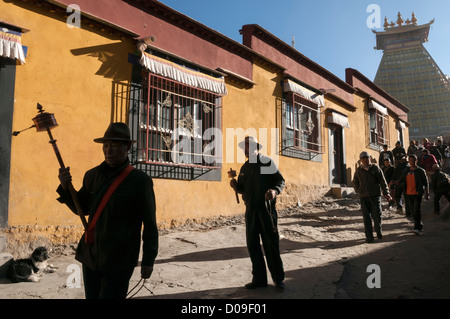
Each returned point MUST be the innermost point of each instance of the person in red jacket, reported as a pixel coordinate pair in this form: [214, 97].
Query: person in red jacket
[427, 161]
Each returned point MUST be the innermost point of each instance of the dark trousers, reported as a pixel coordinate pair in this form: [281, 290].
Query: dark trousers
[398, 196]
[437, 198]
[106, 284]
[260, 224]
[371, 210]
[413, 209]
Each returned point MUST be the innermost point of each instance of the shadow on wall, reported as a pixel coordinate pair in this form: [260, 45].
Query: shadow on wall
[115, 66]
[114, 59]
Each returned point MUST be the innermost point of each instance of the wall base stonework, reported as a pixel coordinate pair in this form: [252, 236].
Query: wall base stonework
[63, 240]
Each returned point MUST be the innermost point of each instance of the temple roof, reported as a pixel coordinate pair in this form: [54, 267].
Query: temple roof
[402, 32]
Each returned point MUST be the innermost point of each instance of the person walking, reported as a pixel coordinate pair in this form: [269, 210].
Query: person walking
[412, 148]
[440, 186]
[388, 171]
[427, 162]
[395, 184]
[260, 182]
[109, 248]
[368, 181]
[398, 153]
[415, 185]
[385, 154]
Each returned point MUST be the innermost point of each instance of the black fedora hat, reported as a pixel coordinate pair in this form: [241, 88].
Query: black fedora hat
[116, 132]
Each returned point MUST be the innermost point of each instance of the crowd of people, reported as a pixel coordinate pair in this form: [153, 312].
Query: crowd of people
[404, 177]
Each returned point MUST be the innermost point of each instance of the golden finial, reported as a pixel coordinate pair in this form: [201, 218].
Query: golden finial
[399, 19]
[413, 19]
[386, 23]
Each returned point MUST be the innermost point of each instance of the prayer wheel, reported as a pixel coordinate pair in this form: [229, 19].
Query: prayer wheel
[44, 120]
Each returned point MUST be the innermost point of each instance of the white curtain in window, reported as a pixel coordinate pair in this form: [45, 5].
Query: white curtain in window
[183, 75]
[290, 86]
[11, 46]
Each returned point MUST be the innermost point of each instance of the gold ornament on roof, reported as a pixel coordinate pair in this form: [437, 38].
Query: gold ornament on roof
[386, 23]
[413, 19]
[399, 19]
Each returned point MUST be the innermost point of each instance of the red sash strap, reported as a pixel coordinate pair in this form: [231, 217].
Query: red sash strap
[89, 234]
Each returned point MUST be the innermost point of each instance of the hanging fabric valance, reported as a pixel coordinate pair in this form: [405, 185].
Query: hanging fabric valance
[11, 46]
[380, 108]
[183, 75]
[338, 119]
[401, 125]
[290, 86]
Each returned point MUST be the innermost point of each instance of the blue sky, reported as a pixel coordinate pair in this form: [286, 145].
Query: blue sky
[333, 33]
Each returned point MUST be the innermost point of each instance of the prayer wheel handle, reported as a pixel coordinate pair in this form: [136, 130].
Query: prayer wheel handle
[45, 122]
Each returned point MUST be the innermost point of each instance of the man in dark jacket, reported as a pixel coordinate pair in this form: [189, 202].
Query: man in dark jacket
[385, 154]
[398, 153]
[414, 182]
[109, 250]
[395, 184]
[259, 182]
[367, 181]
[440, 186]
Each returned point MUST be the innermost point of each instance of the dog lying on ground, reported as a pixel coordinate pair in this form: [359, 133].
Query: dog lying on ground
[31, 269]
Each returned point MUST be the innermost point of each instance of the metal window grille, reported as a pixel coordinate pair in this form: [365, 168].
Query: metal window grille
[169, 120]
[301, 125]
[378, 129]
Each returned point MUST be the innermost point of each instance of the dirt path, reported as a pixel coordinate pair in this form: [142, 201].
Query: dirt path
[323, 250]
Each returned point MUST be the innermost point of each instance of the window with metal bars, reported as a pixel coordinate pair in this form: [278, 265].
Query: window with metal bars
[301, 129]
[177, 128]
[378, 125]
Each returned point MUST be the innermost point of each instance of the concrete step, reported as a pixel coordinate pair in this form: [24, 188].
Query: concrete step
[342, 191]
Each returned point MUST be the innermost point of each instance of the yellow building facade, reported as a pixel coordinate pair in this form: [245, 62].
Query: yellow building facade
[309, 121]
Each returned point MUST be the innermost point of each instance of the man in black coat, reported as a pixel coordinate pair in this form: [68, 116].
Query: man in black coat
[109, 249]
[398, 153]
[440, 186]
[259, 182]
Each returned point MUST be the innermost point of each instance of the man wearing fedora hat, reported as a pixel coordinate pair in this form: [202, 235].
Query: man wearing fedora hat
[259, 182]
[118, 200]
[368, 182]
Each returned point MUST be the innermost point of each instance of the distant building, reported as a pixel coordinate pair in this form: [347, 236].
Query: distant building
[408, 72]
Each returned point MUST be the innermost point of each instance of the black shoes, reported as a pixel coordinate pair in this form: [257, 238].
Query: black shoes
[254, 285]
[371, 239]
[279, 285]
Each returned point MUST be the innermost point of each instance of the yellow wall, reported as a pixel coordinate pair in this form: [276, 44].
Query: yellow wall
[68, 72]
[71, 72]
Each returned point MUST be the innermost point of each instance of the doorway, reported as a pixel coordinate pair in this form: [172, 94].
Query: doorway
[338, 175]
[7, 82]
